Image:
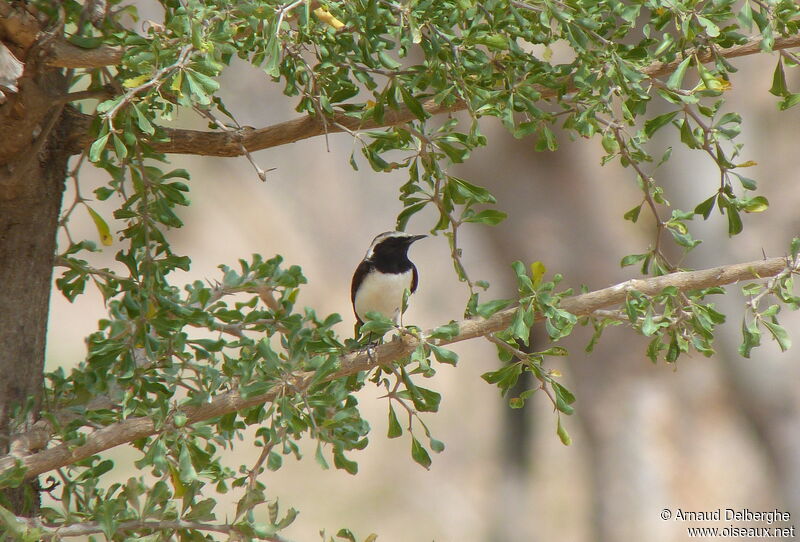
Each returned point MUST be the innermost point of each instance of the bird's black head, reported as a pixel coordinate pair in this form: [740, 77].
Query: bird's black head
[391, 249]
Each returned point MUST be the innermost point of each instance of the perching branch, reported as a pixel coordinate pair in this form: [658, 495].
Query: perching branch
[47, 532]
[247, 139]
[132, 429]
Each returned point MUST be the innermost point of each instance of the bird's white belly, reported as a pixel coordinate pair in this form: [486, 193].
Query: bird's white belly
[382, 293]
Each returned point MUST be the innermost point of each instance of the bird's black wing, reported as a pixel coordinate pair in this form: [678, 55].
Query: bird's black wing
[358, 277]
[414, 278]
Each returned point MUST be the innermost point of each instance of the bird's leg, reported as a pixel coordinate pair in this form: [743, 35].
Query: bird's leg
[369, 347]
[370, 350]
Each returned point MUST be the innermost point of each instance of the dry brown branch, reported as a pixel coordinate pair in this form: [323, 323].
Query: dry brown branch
[581, 305]
[60, 532]
[63, 54]
[235, 142]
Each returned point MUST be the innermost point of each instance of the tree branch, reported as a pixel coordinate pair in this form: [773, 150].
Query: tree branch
[132, 429]
[236, 142]
[22, 28]
[57, 532]
[62, 54]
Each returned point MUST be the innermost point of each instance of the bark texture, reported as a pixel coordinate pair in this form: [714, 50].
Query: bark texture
[33, 162]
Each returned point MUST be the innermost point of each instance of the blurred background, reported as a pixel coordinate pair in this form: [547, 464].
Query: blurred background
[707, 433]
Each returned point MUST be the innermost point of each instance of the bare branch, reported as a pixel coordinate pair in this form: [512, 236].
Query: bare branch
[63, 54]
[22, 28]
[57, 532]
[581, 305]
[238, 142]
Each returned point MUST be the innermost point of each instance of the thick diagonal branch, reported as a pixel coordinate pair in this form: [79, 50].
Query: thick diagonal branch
[132, 429]
[237, 142]
[63, 54]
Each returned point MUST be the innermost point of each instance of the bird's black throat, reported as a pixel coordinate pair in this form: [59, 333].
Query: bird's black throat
[391, 256]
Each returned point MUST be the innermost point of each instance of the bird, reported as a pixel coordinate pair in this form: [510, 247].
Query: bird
[381, 279]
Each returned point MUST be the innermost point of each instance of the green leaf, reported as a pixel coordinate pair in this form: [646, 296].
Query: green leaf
[16, 528]
[407, 213]
[711, 29]
[706, 207]
[795, 247]
[443, 355]
[631, 259]
[377, 324]
[395, 429]
[547, 141]
[779, 334]
[677, 76]
[97, 147]
[747, 184]
[186, 472]
[745, 16]
[757, 204]
[196, 88]
[790, 101]
[387, 61]
[610, 143]
[413, 104]
[778, 87]
[519, 328]
[524, 282]
[119, 147]
[341, 462]
[566, 440]
[447, 331]
[538, 271]
[505, 377]
[469, 191]
[649, 327]
[688, 136]
[209, 84]
[554, 351]
[102, 227]
[751, 337]
[497, 42]
[13, 476]
[86, 42]
[274, 461]
[564, 398]
[734, 221]
[485, 310]
[142, 121]
[273, 55]
[420, 454]
[633, 214]
[320, 457]
[652, 125]
[491, 217]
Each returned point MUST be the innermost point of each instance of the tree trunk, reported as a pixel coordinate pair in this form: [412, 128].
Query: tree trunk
[33, 165]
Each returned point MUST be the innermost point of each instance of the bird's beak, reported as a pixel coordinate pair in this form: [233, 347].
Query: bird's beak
[417, 237]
